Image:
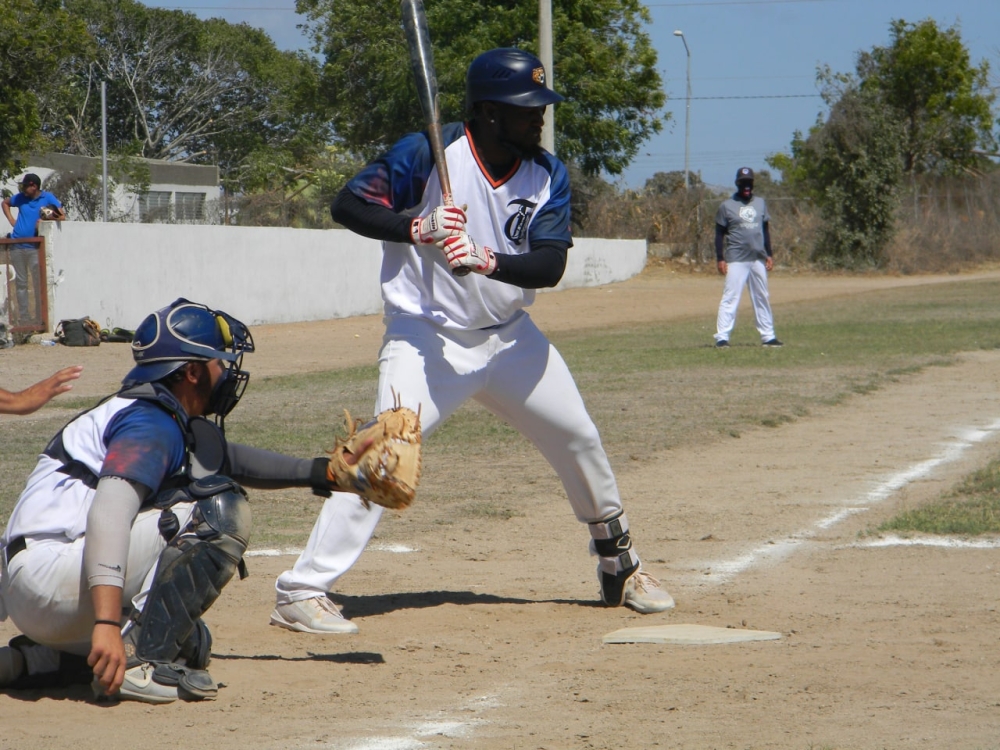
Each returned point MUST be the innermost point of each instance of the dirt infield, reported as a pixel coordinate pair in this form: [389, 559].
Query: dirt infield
[485, 633]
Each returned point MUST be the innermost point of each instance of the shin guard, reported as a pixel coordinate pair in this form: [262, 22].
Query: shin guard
[190, 574]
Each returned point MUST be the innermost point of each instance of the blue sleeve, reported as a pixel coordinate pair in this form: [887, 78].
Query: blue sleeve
[48, 199]
[396, 179]
[145, 445]
[552, 222]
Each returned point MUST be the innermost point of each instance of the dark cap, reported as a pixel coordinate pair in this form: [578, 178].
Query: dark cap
[744, 174]
[31, 179]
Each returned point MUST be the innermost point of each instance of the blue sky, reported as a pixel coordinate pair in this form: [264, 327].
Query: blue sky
[753, 65]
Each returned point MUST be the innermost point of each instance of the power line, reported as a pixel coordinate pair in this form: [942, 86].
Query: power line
[733, 2]
[649, 5]
[760, 96]
[220, 7]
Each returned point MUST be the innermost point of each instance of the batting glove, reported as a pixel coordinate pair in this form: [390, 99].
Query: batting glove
[463, 252]
[440, 224]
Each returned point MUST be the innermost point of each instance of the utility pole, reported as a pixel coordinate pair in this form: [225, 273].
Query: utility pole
[687, 114]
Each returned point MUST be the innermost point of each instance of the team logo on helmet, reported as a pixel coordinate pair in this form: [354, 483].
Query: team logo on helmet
[516, 228]
[538, 76]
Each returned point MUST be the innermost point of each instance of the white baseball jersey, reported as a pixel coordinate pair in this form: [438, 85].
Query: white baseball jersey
[531, 203]
[148, 446]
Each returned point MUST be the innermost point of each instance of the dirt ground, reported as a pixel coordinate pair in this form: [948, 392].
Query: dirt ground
[486, 634]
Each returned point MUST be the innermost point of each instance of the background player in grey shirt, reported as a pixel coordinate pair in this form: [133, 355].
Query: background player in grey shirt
[741, 227]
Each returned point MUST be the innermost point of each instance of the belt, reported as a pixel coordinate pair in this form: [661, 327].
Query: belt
[15, 545]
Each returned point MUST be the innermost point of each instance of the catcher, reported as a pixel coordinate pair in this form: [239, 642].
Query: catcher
[135, 516]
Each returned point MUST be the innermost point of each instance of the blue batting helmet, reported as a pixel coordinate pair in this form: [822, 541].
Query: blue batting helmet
[510, 76]
[184, 332]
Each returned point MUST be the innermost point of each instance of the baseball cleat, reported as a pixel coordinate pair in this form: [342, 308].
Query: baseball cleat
[721, 344]
[139, 685]
[646, 595]
[772, 343]
[191, 684]
[11, 665]
[318, 615]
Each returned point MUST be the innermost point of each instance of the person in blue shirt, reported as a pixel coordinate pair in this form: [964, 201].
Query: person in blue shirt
[30, 203]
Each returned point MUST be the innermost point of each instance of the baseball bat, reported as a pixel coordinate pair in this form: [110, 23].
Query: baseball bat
[418, 39]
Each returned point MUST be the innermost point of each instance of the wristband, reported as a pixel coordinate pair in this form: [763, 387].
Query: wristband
[109, 622]
[319, 481]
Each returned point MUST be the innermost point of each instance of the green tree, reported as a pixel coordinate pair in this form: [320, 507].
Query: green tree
[667, 183]
[852, 167]
[944, 102]
[36, 36]
[183, 89]
[604, 65]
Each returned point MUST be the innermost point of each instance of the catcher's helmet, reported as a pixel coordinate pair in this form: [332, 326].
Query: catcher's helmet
[184, 332]
[508, 75]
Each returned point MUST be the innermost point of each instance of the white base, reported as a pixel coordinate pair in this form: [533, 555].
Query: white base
[688, 634]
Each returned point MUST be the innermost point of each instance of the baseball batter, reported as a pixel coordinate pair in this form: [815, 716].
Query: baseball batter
[741, 227]
[450, 338]
[130, 525]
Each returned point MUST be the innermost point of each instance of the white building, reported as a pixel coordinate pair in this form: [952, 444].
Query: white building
[178, 193]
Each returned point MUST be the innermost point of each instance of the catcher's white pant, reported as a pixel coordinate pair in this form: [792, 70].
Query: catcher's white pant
[46, 597]
[514, 372]
[752, 274]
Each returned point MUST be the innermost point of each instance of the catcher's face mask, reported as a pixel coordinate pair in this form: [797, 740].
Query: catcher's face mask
[189, 332]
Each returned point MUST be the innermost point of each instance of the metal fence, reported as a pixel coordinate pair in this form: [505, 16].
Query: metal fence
[24, 292]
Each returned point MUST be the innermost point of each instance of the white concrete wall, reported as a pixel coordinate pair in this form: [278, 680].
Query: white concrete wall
[119, 273]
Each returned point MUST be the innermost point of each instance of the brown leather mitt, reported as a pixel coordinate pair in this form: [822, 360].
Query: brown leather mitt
[385, 466]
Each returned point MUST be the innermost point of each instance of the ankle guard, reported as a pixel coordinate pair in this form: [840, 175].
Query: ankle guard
[612, 544]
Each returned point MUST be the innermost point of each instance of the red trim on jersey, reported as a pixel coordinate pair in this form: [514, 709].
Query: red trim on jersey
[482, 167]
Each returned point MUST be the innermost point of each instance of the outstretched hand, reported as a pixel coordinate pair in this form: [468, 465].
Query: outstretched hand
[34, 397]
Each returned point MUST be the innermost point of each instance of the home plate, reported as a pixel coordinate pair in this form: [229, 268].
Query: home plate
[688, 635]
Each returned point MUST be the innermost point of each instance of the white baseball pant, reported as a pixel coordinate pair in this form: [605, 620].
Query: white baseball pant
[752, 274]
[46, 597]
[514, 372]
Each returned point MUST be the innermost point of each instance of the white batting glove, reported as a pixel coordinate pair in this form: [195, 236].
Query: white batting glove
[463, 252]
[440, 224]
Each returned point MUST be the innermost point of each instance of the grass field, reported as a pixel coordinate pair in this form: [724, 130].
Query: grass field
[648, 389]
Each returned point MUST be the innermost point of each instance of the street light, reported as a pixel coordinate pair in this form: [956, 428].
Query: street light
[687, 114]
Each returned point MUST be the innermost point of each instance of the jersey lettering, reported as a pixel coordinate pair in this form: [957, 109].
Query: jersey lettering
[516, 228]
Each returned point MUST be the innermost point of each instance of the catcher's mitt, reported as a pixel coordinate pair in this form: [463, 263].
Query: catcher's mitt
[48, 212]
[386, 454]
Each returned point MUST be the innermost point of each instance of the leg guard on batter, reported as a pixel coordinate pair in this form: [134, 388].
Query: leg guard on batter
[190, 574]
[618, 561]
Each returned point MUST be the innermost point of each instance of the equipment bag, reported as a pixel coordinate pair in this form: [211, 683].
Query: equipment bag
[78, 332]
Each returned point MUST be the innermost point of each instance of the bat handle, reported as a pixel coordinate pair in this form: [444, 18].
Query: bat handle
[449, 200]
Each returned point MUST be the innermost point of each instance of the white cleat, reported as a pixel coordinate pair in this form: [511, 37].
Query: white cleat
[139, 685]
[646, 595]
[318, 615]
